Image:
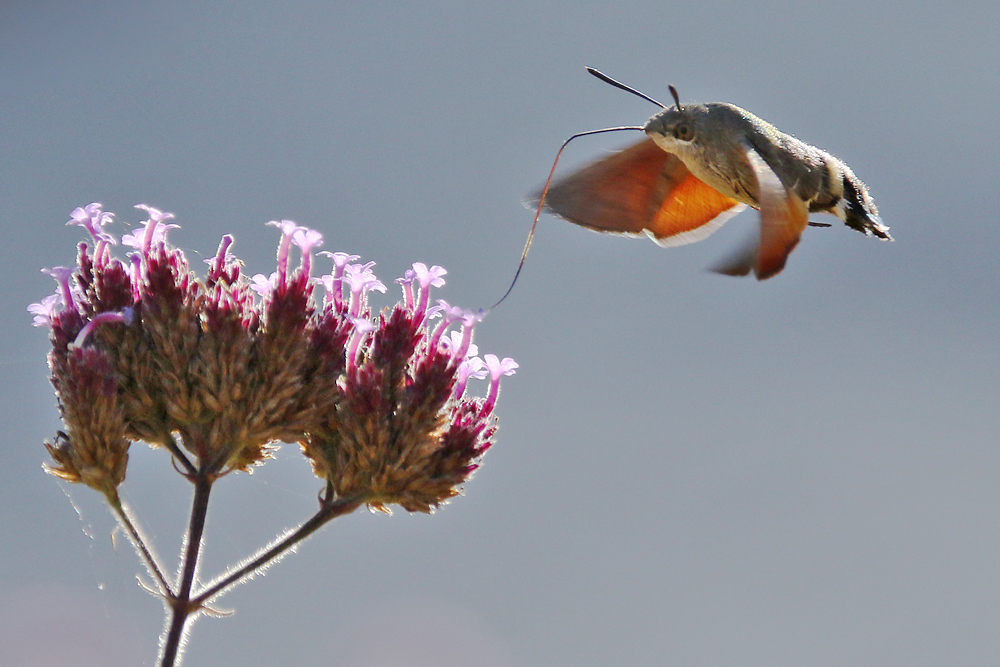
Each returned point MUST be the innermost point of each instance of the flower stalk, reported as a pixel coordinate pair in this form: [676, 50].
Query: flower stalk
[220, 371]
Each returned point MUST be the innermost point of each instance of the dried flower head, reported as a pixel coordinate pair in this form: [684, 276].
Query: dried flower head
[403, 431]
[93, 450]
[220, 370]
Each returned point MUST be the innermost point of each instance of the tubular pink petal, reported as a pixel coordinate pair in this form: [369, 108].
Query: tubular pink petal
[471, 367]
[155, 229]
[45, 311]
[100, 318]
[362, 327]
[222, 256]
[340, 261]
[288, 229]
[62, 274]
[497, 369]
[306, 240]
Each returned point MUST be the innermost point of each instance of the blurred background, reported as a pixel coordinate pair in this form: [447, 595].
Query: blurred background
[690, 469]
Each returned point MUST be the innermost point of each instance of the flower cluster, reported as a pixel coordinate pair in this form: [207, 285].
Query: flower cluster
[219, 370]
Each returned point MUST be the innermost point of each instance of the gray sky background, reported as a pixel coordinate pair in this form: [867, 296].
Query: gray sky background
[691, 469]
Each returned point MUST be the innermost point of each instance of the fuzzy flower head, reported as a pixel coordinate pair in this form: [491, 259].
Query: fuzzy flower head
[404, 431]
[94, 448]
[220, 370]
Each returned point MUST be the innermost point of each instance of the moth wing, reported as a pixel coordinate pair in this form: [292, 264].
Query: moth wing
[641, 190]
[783, 218]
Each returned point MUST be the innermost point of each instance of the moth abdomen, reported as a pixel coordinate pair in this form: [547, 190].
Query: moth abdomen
[857, 209]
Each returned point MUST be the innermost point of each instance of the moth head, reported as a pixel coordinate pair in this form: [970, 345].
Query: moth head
[675, 127]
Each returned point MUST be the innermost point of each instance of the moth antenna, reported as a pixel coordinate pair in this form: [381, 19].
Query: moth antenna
[618, 84]
[541, 200]
[677, 100]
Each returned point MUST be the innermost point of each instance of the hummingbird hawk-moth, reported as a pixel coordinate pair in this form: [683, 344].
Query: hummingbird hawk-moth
[700, 165]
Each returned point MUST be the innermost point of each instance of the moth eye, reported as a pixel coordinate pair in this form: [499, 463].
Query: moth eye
[683, 131]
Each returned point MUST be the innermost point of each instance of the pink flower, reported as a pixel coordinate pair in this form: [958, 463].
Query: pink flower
[497, 369]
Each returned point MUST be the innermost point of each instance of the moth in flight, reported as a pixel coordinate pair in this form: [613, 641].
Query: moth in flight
[700, 165]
